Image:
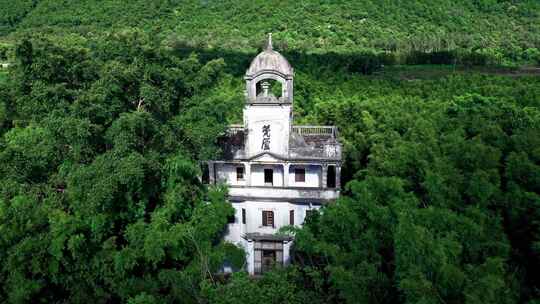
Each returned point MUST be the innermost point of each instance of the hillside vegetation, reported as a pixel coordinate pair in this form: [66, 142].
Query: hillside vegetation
[478, 32]
[108, 107]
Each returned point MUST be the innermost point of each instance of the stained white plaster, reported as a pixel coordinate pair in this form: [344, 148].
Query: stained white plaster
[226, 173]
[278, 118]
[266, 133]
[257, 174]
[312, 176]
[236, 231]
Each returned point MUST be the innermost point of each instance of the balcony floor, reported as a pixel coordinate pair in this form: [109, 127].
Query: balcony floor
[285, 194]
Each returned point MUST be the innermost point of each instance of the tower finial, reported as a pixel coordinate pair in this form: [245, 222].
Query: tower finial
[269, 44]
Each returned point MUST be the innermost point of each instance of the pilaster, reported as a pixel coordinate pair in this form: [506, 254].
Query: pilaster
[286, 174]
[247, 167]
[324, 176]
[211, 173]
[338, 177]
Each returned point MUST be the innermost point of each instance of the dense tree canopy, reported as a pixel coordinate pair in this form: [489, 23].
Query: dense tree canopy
[100, 197]
[420, 31]
[100, 201]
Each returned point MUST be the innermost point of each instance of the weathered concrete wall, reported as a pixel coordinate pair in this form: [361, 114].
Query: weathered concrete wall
[226, 173]
[312, 177]
[305, 194]
[254, 209]
[257, 175]
[268, 128]
[254, 223]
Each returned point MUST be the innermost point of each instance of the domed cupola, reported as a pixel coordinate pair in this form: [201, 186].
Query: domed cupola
[269, 64]
[269, 60]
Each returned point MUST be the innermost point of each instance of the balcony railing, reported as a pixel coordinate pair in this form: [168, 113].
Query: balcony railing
[301, 130]
[315, 130]
[235, 128]
[319, 134]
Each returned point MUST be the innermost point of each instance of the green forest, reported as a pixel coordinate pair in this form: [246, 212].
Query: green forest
[108, 107]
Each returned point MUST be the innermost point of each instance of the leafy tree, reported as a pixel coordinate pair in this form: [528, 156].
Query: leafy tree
[101, 135]
[100, 199]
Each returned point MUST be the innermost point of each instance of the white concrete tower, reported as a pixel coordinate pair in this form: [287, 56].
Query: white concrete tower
[268, 118]
[277, 172]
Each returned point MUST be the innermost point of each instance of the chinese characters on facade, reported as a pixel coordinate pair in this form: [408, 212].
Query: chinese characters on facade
[266, 137]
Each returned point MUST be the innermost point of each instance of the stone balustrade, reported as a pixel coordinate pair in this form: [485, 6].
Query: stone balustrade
[315, 130]
[282, 193]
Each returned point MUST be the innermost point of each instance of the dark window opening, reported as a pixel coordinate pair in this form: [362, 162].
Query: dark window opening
[291, 217]
[331, 177]
[205, 174]
[243, 216]
[269, 176]
[239, 173]
[299, 175]
[231, 219]
[268, 218]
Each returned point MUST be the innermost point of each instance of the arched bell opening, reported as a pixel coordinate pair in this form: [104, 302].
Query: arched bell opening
[269, 88]
[278, 85]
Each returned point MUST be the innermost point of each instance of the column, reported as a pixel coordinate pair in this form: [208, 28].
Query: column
[247, 167]
[286, 174]
[286, 253]
[211, 173]
[338, 177]
[250, 257]
[324, 175]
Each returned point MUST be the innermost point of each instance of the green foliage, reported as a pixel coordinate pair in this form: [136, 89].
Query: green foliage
[100, 136]
[422, 32]
[278, 286]
[433, 178]
[432, 212]
[4, 51]
[14, 12]
[99, 195]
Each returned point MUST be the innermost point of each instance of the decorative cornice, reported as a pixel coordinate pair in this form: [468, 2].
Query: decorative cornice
[306, 201]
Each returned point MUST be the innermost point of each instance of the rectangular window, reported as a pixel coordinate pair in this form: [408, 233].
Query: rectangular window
[331, 177]
[205, 174]
[291, 217]
[239, 173]
[299, 175]
[243, 216]
[231, 219]
[268, 176]
[268, 218]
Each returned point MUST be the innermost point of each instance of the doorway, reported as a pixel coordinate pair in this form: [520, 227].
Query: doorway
[268, 177]
[331, 177]
[268, 260]
[267, 255]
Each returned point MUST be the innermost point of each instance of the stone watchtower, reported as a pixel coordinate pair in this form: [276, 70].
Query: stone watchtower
[277, 172]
